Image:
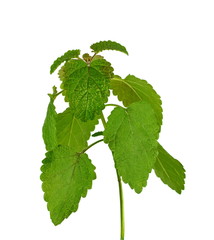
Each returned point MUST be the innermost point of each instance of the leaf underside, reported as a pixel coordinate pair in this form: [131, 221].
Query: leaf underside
[87, 87]
[49, 127]
[67, 56]
[132, 89]
[73, 132]
[169, 170]
[66, 177]
[108, 45]
[132, 135]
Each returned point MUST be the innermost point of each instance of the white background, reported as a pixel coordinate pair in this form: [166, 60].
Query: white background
[171, 45]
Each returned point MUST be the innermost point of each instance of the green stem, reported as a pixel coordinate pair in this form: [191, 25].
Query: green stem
[122, 218]
[93, 57]
[91, 145]
[103, 120]
[112, 105]
[57, 94]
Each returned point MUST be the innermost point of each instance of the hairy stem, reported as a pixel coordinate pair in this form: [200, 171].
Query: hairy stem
[122, 219]
[91, 145]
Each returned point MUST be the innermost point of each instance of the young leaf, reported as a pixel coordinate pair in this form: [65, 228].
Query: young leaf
[132, 89]
[108, 45]
[96, 134]
[169, 170]
[66, 177]
[67, 56]
[87, 87]
[72, 132]
[49, 126]
[132, 135]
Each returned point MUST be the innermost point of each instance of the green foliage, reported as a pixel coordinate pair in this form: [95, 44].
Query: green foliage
[96, 134]
[131, 132]
[108, 45]
[72, 132]
[49, 126]
[169, 170]
[87, 87]
[67, 56]
[66, 177]
[132, 135]
[132, 89]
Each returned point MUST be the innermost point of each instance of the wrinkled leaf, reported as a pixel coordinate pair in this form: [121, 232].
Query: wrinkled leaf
[65, 57]
[108, 45]
[87, 86]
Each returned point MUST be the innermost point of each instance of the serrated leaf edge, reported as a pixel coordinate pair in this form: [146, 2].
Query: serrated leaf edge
[83, 195]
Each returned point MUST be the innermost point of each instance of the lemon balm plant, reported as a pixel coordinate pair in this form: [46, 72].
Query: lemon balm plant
[131, 132]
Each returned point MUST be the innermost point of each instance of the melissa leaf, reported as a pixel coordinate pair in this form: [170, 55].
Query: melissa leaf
[132, 89]
[169, 170]
[72, 132]
[130, 132]
[67, 56]
[49, 126]
[96, 134]
[132, 135]
[108, 45]
[87, 86]
[66, 177]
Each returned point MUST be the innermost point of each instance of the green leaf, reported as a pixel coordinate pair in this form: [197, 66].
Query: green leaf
[169, 170]
[72, 131]
[132, 135]
[67, 56]
[132, 89]
[61, 75]
[49, 126]
[87, 86]
[96, 134]
[66, 178]
[108, 45]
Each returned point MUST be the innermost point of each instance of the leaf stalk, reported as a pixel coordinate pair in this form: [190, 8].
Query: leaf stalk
[91, 145]
[113, 105]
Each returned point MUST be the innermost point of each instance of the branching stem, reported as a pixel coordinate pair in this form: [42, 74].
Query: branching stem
[91, 145]
[112, 105]
[122, 219]
[56, 94]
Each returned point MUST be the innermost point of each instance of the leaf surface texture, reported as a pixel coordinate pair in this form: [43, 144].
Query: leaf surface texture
[132, 89]
[87, 87]
[67, 56]
[132, 135]
[108, 45]
[66, 178]
[49, 127]
[170, 170]
[73, 132]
